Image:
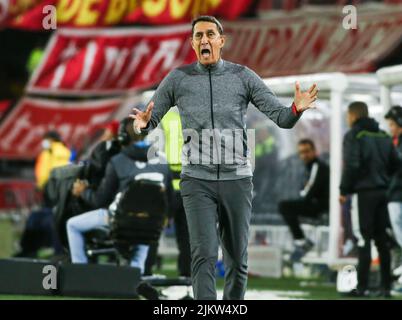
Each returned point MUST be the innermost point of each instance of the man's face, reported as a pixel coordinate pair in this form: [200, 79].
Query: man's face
[107, 135]
[394, 129]
[306, 152]
[207, 42]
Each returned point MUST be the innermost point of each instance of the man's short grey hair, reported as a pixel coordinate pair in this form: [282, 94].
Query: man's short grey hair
[207, 19]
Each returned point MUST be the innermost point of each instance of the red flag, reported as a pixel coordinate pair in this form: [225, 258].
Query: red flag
[4, 106]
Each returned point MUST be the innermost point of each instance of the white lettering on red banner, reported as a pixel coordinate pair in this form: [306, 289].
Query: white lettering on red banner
[310, 43]
[22, 130]
[110, 61]
[107, 61]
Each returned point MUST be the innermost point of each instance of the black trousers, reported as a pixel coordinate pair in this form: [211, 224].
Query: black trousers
[370, 221]
[152, 258]
[291, 210]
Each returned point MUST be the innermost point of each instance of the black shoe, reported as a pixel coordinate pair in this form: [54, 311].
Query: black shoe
[147, 291]
[301, 250]
[383, 294]
[358, 293]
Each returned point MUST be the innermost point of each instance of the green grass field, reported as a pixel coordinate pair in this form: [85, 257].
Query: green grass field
[262, 288]
[258, 287]
[281, 287]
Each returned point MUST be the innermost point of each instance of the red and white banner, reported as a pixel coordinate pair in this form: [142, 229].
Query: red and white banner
[314, 41]
[22, 130]
[9, 9]
[110, 61]
[114, 61]
[102, 13]
[18, 194]
[265, 6]
[3, 12]
[4, 105]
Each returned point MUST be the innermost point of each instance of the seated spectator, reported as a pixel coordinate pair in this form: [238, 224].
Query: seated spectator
[110, 131]
[39, 229]
[100, 156]
[92, 170]
[122, 168]
[313, 200]
[106, 135]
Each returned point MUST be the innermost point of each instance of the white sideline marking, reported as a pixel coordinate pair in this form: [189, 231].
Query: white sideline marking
[178, 292]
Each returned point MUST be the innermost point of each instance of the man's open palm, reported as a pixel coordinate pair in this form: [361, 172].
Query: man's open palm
[305, 100]
[141, 118]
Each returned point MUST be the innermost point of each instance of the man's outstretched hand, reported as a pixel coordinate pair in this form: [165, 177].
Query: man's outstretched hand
[305, 100]
[141, 118]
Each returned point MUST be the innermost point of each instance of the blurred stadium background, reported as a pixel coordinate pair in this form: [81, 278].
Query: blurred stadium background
[105, 56]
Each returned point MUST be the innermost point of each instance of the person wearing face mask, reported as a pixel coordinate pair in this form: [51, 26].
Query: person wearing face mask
[54, 154]
[39, 229]
[212, 96]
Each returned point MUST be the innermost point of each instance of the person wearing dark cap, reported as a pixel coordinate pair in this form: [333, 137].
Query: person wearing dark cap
[369, 160]
[394, 119]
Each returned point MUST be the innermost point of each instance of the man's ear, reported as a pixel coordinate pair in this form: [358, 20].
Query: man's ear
[192, 43]
[223, 40]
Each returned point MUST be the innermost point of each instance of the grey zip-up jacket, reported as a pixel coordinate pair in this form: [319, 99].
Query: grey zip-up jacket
[212, 101]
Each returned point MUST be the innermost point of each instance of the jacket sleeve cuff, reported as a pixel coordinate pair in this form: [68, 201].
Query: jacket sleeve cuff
[147, 128]
[294, 110]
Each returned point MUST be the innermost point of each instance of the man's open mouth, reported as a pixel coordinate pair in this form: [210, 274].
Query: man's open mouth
[205, 53]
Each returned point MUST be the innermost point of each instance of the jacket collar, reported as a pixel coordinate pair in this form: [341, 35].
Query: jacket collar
[366, 123]
[310, 164]
[213, 67]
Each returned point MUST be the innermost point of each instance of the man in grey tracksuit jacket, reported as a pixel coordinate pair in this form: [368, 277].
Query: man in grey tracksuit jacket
[212, 96]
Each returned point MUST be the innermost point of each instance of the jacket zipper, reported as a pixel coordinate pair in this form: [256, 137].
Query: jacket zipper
[212, 116]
